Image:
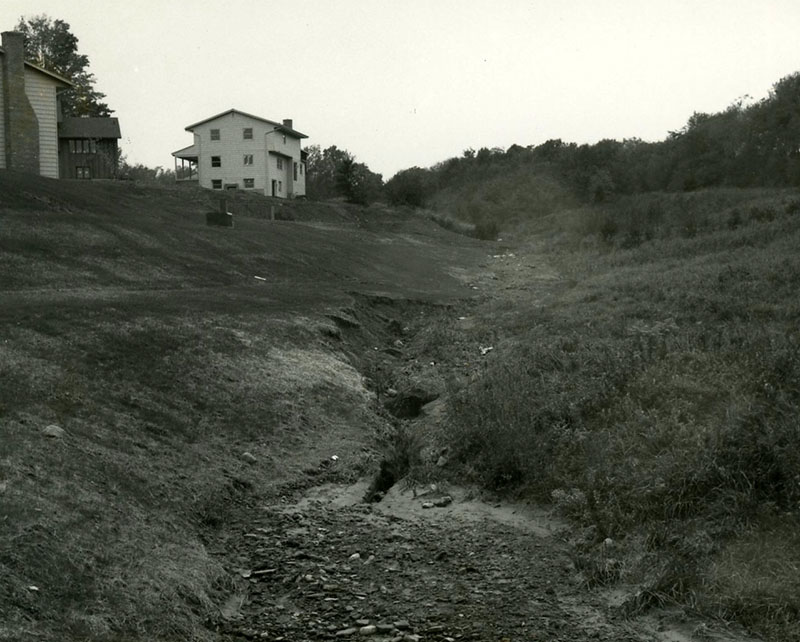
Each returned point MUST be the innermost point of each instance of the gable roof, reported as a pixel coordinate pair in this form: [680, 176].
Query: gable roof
[277, 126]
[76, 127]
[53, 76]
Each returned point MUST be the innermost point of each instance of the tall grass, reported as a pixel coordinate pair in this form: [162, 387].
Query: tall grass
[505, 198]
[656, 401]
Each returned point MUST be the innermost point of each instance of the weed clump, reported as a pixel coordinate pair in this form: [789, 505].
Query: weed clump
[401, 448]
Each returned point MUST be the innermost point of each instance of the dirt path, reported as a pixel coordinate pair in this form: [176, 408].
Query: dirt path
[324, 565]
[425, 563]
[329, 566]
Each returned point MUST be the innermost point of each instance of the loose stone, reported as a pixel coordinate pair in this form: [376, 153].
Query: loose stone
[346, 632]
[53, 431]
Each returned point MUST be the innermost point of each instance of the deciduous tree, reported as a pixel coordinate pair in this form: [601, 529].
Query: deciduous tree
[50, 44]
[334, 172]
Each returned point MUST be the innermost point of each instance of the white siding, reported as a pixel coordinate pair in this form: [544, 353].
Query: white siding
[232, 147]
[41, 92]
[300, 185]
[2, 124]
[198, 146]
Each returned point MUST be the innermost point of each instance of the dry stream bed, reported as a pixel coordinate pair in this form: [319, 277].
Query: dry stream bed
[427, 562]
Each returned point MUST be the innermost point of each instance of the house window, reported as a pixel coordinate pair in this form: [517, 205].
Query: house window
[248, 159]
[284, 140]
[82, 146]
[249, 183]
[280, 186]
[214, 134]
[280, 162]
[216, 184]
[301, 168]
[247, 133]
[216, 161]
[83, 172]
[295, 171]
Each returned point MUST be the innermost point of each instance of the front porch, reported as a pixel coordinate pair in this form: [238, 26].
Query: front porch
[187, 169]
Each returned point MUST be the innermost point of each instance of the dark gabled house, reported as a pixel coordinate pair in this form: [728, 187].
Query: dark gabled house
[87, 147]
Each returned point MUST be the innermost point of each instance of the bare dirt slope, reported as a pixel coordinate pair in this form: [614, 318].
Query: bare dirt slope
[429, 561]
[184, 446]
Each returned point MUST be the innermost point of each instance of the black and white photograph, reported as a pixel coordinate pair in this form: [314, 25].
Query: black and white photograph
[400, 321]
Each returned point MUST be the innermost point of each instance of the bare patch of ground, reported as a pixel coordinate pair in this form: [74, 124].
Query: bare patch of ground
[324, 565]
[428, 561]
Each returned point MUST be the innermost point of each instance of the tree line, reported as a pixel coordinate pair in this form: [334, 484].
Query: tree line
[745, 145]
[755, 145]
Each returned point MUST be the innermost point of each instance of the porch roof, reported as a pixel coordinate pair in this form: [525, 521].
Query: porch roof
[187, 153]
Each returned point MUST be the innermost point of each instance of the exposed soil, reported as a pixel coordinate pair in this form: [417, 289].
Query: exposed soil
[165, 349]
[324, 565]
[426, 561]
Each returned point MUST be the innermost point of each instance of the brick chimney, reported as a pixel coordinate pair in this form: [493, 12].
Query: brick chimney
[287, 122]
[20, 122]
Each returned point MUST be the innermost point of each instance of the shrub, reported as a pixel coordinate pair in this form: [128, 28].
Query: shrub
[734, 219]
[487, 230]
[410, 187]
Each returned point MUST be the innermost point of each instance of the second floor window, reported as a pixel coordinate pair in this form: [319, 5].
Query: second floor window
[247, 133]
[216, 161]
[214, 134]
[82, 146]
[280, 162]
[248, 159]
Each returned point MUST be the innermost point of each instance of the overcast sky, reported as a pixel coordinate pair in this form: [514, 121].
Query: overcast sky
[401, 83]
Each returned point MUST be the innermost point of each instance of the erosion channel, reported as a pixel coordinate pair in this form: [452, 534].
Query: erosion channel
[354, 547]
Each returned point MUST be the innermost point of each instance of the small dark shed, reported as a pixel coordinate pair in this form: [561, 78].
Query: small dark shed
[87, 147]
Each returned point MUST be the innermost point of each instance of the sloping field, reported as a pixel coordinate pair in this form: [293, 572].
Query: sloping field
[150, 384]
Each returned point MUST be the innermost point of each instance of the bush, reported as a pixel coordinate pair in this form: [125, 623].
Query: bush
[487, 230]
[410, 187]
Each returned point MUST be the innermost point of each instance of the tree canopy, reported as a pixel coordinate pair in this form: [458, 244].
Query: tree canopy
[334, 172]
[749, 144]
[50, 44]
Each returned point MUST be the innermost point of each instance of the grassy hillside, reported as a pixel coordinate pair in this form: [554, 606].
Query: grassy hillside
[646, 384]
[654, 398]
[145, 337]
[504, 198]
